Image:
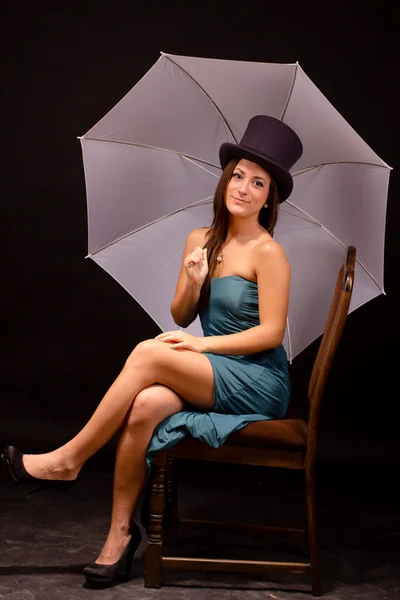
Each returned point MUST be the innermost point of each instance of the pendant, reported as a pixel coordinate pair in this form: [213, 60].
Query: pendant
[219, 258]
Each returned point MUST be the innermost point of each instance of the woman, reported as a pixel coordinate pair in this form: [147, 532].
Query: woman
[237, 278]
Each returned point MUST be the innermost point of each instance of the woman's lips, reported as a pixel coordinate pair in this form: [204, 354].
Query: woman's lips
[239, 200]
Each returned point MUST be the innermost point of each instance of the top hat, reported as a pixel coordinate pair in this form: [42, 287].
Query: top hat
[271, 144]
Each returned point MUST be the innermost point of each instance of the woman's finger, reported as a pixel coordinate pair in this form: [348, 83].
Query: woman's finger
[170, 338]
[165, 333]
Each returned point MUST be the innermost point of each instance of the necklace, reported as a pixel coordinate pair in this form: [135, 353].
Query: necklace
[222, 254]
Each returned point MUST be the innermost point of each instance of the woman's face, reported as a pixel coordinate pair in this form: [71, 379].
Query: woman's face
[248, 189]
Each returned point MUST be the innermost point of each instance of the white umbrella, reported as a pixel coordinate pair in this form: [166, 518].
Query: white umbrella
[151, 169]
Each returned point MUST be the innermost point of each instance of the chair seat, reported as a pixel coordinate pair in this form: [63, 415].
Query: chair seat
[279, 434]
[284, 439]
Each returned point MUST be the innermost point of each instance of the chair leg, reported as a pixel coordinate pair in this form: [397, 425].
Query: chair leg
[153, 570]
[312, 535]
[171, 517]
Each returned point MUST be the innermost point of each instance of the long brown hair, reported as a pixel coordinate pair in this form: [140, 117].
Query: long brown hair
[218, 231]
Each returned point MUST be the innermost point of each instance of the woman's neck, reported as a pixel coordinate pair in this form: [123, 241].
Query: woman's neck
[239, 231]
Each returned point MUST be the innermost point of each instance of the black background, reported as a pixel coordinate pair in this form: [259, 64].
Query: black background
[68, 326]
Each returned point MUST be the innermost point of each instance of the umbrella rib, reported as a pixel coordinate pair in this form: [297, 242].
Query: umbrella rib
[189, 159]
[194, 159]
[201, 202]
[338, 162]
[316, 222]
[298, 216]
[290, 92]
[208, 96]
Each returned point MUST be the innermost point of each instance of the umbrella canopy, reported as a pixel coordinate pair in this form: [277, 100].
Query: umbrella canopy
[151, 169]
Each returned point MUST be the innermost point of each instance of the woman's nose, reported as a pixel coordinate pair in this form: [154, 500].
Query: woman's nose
[243, 186]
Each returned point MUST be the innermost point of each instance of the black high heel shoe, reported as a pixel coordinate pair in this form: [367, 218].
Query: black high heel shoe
[103, 575]
[12, 460]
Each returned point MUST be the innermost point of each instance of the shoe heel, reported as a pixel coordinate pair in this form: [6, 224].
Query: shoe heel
[128, 562]
[124, 570]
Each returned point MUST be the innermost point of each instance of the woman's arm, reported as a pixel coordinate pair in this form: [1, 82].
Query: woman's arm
[273, 280]
[187, 294]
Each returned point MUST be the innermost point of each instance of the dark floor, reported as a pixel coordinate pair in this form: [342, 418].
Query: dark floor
[48, 538]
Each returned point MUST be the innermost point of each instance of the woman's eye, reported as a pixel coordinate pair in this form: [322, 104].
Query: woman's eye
[259, 183]
[237, 175]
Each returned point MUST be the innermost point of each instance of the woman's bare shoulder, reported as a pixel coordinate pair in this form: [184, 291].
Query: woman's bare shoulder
[270, 248]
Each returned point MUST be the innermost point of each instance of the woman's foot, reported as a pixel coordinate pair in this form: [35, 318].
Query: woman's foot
[114, 547]
[51, 465]
[115, 560]
[44, 470]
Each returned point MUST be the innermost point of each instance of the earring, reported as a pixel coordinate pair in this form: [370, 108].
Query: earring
[265, 205]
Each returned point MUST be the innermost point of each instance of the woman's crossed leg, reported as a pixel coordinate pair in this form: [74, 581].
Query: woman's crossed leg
[187, 373]
[155, 382]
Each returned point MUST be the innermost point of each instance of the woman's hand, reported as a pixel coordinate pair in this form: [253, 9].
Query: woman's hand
[181, 340]
[196, 265]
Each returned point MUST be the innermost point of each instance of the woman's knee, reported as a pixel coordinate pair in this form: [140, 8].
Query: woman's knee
[143, 405]
[152, 405]
[141, 353]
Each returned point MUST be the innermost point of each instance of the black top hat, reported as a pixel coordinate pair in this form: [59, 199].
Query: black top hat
[271, 144]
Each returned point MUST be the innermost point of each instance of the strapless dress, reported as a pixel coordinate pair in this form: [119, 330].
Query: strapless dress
[247, 388]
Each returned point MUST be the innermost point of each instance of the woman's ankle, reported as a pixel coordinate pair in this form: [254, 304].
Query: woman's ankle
[120, 528]
[65, 463]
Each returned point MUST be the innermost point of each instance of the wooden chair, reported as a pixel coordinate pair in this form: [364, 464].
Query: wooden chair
[286, 443]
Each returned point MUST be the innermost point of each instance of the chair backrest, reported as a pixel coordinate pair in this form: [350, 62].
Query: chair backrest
[329, 344]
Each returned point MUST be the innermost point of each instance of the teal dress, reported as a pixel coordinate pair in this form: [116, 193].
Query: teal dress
[247, 388]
